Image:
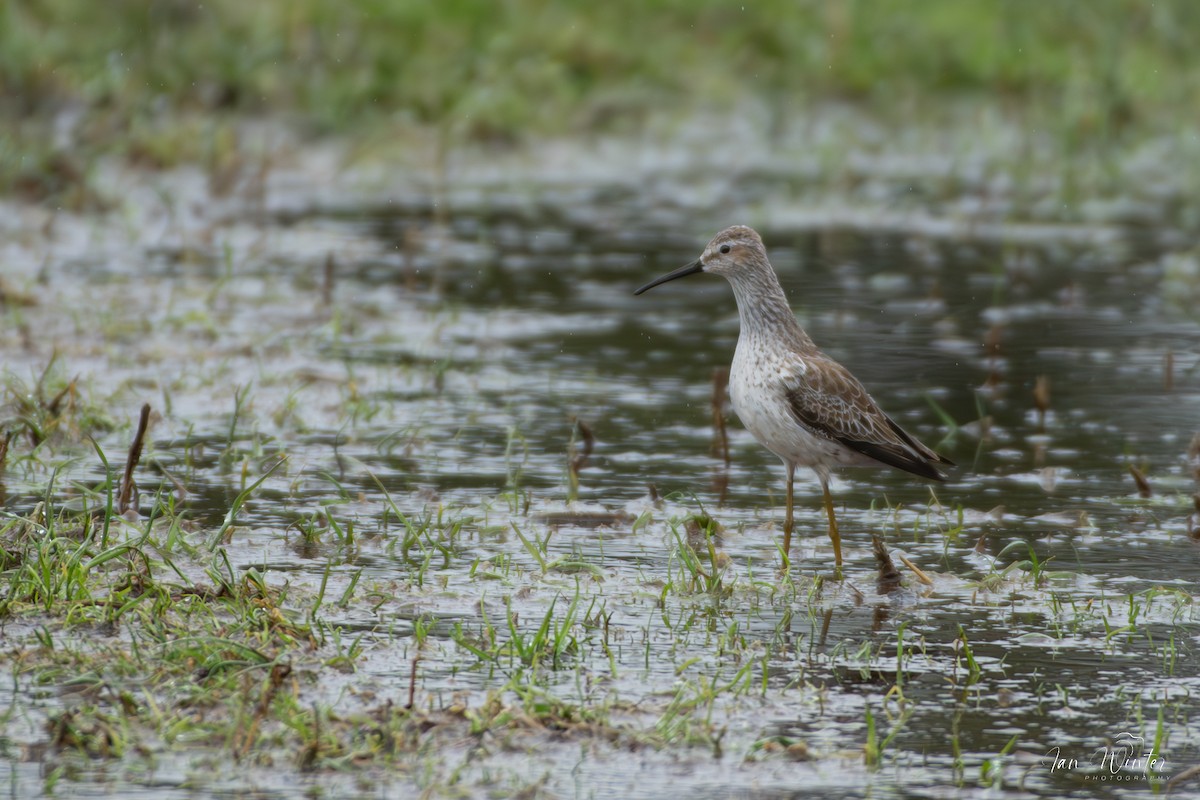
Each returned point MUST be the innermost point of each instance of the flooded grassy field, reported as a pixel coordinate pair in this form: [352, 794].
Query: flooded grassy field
[430, 505]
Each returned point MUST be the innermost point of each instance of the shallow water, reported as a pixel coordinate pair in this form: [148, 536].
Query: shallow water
[424, 356]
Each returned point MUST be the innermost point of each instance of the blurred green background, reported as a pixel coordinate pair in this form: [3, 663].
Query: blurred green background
[133, 77]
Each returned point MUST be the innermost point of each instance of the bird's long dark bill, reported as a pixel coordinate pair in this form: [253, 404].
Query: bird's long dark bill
[682, 272]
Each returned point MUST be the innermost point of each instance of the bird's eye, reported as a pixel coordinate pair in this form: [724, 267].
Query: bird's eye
[724, 248]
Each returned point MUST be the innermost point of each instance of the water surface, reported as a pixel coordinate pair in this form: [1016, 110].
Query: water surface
[421, 357]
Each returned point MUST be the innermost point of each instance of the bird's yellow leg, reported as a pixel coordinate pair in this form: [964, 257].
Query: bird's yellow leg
[787, 520]
[833, 529]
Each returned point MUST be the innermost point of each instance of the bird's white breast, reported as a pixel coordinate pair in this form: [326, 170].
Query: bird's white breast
[758, 383]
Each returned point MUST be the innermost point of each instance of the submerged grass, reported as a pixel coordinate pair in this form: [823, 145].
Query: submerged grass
[157, 643]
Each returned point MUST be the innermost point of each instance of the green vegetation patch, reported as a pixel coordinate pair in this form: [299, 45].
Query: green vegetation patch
[127, 76]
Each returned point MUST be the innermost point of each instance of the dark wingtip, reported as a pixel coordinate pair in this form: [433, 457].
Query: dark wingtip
[894, 457]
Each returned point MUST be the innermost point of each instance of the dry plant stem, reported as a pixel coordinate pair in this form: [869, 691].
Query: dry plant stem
[720, 385]
[329, 280]
[889, 576]
[54, 405]
[579, 460]
[279, 673]
[1139, 478]
[920, 573]
[1041, 399]
[589, 441]
[412, 682]
[834, 536]
[125, 497]
[787, 522]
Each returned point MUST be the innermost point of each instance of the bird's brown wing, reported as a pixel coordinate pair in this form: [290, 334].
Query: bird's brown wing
[831, 402]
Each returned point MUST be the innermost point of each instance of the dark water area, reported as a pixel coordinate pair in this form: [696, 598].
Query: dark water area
[422, 361]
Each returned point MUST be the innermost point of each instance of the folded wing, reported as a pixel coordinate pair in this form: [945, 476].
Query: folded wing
[830, 402]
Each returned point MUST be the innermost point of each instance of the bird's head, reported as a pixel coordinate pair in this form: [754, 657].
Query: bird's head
[732, 251]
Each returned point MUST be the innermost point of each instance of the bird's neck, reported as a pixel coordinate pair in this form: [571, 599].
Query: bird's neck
[763, 309]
